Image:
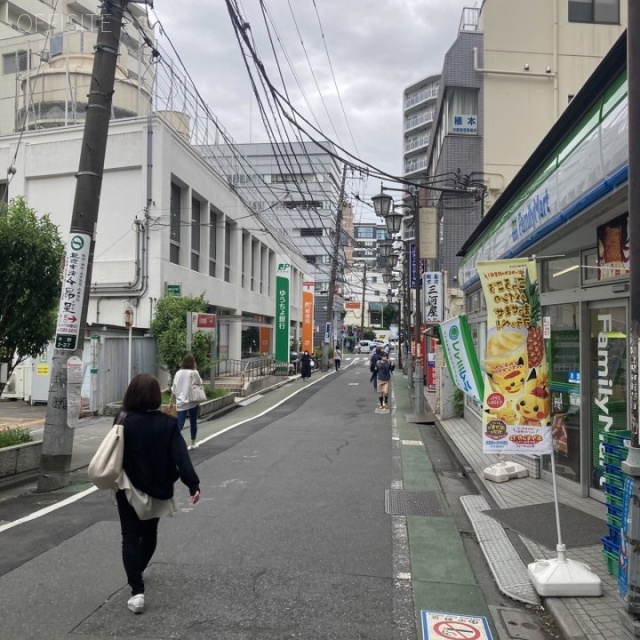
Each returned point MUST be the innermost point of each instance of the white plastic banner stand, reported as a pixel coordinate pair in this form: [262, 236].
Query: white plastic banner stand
[561, 577]
[504, 470]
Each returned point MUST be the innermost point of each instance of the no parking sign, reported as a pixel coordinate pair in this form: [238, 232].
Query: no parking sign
[452, 626]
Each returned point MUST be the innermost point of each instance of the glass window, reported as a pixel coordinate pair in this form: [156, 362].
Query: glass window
[195, 234]
[561, 274]
[462, 109]
[227, 251]
[213, 240]
[174, 205]
[594, 11]
[608, 388]
[15, 62]
[563, 355]
[590, 266]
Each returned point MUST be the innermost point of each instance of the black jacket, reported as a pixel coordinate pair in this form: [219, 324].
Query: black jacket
[155, 454]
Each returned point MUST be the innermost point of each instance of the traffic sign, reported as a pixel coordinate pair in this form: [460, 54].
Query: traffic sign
[437, 625]
[206, 322]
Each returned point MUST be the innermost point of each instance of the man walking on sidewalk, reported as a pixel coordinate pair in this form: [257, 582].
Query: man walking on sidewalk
[384, 367]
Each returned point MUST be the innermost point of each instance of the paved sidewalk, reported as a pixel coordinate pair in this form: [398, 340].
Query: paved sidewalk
[596, 618]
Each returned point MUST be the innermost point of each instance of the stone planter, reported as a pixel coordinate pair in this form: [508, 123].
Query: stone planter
[215, 406]
[20, 458]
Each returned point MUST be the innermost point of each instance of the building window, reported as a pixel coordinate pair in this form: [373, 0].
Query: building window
[311, 232]
[595, 11]
[213, 241]
[195, 234]
[15, 62]
[462, 109]
[227, 251]
[174, 227]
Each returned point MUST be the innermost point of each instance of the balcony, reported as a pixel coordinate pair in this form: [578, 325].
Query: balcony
[419, 119]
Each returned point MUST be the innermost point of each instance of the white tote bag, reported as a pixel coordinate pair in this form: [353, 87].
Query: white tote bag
[106, 465]
[196, 391]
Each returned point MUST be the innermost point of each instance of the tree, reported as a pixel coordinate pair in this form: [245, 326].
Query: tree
[31, 255]
[169, 327]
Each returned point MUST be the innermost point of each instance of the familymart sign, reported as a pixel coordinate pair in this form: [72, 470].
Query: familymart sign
[283, 276]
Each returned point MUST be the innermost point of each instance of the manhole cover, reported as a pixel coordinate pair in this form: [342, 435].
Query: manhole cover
[412, 503]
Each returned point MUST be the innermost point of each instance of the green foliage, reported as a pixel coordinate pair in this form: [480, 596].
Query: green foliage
[458, 402]
[368, 334]
[390, 315]
[31, 255]
[169, 327]
[18, 435]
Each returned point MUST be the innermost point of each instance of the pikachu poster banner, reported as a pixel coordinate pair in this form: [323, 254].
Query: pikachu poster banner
[516, 407]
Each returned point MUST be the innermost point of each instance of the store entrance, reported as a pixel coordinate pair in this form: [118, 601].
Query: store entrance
[608, 399]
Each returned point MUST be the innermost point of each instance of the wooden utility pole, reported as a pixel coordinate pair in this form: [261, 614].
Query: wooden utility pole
[66, 377]
[334, 272]
[364, 289]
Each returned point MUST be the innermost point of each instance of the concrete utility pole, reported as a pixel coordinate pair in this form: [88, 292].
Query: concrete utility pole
[66, 376]
[628, 581]
[334, 271]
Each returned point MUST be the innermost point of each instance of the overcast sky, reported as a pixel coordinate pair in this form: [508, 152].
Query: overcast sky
[376, 48]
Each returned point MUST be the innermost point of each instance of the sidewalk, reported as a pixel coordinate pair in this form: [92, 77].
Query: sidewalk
[596, 618]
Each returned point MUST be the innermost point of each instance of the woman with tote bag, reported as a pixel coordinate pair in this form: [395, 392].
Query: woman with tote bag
[182, 388]
[155, 456]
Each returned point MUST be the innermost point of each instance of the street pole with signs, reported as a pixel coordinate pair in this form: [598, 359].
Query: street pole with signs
[57, 442]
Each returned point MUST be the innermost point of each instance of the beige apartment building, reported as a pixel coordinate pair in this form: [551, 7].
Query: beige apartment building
[47, 56]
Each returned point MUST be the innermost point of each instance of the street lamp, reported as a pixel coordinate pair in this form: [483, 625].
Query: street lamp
[382, 206]
[385, 247]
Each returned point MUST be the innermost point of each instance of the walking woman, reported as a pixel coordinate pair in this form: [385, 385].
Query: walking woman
[182, 381]
[155, 456]
[305, 365]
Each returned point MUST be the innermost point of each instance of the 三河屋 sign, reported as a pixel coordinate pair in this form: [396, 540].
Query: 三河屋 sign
[433, 287]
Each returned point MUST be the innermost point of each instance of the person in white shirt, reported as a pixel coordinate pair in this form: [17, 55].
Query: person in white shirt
[182, 381]
[337, 358]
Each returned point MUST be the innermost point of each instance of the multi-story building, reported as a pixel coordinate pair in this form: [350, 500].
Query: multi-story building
[294, 188]
[509, 75]
[419, 102]
[47, 57]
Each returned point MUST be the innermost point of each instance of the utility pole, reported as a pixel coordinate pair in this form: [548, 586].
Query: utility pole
[334, 271]
[364, 289]
[66, 377]
[628, 579]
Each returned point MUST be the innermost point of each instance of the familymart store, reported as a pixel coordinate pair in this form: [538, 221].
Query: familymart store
[567, 209]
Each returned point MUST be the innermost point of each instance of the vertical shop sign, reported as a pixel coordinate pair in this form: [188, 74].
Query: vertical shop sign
[307, 315]
[462, 361]
[433, 287]
[282, 310]
[517, 407]
[72, 296]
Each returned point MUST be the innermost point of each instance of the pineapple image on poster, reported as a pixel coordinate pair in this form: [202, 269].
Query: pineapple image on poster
[516, 403]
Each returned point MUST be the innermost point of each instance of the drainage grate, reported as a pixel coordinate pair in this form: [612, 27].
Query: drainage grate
[412, 503]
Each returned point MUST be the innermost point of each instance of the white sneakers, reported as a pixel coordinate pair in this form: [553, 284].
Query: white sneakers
[136, 603]
[193, 445]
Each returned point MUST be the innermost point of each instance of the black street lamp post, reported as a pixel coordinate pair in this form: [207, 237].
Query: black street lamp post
[382, 204]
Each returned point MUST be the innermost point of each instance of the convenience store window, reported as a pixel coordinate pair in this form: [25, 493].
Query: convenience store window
[563, 355]
[608, 397]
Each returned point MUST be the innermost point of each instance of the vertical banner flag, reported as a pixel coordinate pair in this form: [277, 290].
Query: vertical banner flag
[413, 267]
[433, 287]
[517, 408]
[307, 314]
[282, 309]
[462, 361]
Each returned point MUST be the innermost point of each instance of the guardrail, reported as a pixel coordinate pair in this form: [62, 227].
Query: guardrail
[251, 368]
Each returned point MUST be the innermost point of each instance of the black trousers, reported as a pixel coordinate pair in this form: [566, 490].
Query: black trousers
[139, 539]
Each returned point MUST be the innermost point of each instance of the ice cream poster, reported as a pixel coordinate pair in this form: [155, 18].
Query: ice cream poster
[516, 403]
[613, 248]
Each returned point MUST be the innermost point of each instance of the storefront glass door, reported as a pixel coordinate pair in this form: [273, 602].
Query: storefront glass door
[563, 354]
[608, 397]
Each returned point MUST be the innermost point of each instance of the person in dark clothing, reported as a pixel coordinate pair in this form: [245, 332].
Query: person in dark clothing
[155, 456]
[305, 365]
[384, 368]
[377, 354]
